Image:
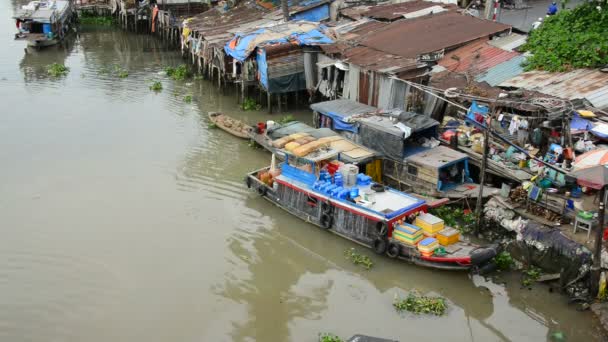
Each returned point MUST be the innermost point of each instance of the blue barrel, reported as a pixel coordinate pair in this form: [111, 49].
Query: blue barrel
[46, 28]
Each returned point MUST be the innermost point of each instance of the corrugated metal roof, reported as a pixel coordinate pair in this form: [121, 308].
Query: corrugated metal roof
[372, 59]
[396, 11]
[475, 57]
[510, 42]
[342, 107]
[591, 84]
[503, 71]
[411, 38]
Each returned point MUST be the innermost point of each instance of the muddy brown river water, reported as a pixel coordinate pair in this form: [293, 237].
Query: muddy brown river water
[123, 217]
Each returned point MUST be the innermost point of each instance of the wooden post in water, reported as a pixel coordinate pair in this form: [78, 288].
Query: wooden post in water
[484, 164]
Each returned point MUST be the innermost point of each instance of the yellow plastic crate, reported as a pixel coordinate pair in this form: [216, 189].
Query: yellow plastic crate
[410, 242]
[429, 223]
[428, 245]
[448, 236]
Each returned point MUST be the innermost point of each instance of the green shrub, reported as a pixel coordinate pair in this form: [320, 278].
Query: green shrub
[503, 260]
[251, 104]
[576, 38]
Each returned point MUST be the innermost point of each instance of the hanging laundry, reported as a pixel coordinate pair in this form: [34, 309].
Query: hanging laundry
[514, 125]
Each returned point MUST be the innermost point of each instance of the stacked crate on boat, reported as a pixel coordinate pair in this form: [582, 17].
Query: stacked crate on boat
[430, 224]
[407, 234]
[428, 246]
[448, 236]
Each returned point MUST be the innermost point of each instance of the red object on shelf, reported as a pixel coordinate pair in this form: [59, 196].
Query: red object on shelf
[332, 168]
[261, 127]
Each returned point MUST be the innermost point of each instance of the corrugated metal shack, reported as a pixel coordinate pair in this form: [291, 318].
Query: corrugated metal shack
[279, 54]
[371, 58]
[588, 84]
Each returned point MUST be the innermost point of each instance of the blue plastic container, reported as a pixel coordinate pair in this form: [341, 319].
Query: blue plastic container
[328, 188]
[354, 193]
[338, 179]
[343, 194]
[336, 191]
[46, 28]
[363, 179]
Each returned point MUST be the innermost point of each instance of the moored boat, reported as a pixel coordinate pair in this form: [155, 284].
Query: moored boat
[44, 23]
[367, 213]
[230, 125]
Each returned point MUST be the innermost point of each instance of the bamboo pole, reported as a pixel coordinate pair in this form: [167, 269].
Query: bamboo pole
[484, 165]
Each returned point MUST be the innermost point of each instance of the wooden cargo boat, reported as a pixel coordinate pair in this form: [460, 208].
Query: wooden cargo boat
[230, 125]
[44, 23]
[296, 187]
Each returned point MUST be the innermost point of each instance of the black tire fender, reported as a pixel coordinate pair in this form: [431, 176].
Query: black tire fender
[381, 228]
[380, 245]
[262, 190]
[393, 250]
[326, 208]
[326, 220]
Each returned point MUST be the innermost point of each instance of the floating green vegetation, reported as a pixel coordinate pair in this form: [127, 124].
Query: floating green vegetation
[57, 70]
[179, 74]
[212, 125]
[91, 19]
[251, 104]
[418, 304]
[329, 337]
[156, 86]
[503, 261]
[456, 218]
[286, 119]
[198, 77]
[123, 74]
[531, 274]
[358, 259]
[188, 98]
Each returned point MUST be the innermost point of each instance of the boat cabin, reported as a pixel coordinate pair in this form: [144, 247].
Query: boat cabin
[435, 170]
[43, 23]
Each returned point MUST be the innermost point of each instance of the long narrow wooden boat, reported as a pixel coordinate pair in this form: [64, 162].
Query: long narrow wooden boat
[368, 223]
[230, 125]
[44, 23]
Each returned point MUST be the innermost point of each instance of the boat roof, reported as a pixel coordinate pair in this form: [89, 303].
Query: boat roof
[339, 147]
[386, 204]
[437, 157]
[42, 11]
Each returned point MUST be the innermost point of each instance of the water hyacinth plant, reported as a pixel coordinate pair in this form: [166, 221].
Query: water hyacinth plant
[358, 259]
[418, 304]
[57, 70]
[156, 86]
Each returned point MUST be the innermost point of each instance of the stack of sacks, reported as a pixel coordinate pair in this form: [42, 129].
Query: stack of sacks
[428, 246]
[430, 224]
[408, 234]
[280, 143]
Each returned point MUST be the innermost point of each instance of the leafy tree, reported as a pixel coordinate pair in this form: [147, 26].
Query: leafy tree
[576, 38]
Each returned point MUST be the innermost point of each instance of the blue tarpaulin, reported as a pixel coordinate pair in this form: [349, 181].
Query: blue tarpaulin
[477, 113]
[319, 13]
[241, 46]
[579, 123]
[340, 124]
[262, 68]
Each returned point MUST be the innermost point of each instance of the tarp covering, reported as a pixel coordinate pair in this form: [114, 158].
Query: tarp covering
[319, 13]
[301, 33]
[299, 127]
[262, 68]
[286, 84]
